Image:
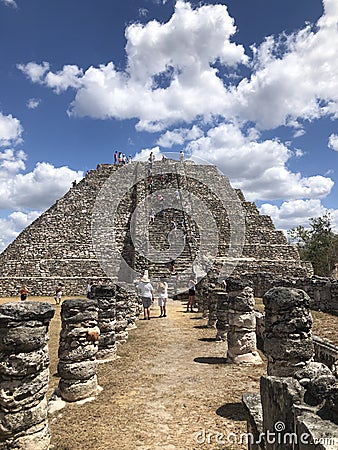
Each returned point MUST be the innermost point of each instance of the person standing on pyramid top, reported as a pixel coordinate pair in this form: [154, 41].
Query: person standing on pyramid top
[146, 291]
[115, 158]
[181, 156]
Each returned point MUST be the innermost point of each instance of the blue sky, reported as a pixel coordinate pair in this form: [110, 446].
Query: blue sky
[250, 85]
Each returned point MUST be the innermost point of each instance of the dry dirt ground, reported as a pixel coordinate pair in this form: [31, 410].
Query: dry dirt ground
[169, 389]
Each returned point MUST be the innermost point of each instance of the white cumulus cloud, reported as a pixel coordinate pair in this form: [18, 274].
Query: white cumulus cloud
[169, 76]
[179, 136]
[258, 168]
[37, 189]
[293, 213]
[10, 130]
[298, 212]
[333, 142]
[27, 194]
[11, 226]
[33, 103]
[34, 71]
[10, 3]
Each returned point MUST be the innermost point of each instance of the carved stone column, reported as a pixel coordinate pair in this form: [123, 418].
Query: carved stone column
[222, 312]
[24, 375]
[79, 339]
[288, 343]
[242, 347]
[105, 296]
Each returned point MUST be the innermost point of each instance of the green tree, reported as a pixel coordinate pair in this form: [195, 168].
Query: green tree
[317, 244]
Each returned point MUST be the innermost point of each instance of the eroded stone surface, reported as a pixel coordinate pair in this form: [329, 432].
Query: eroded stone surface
[242, 345]
[78, 347]
[24, 375]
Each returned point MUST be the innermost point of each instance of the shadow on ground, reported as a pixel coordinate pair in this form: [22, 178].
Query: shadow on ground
[210, 360]
[233, 411]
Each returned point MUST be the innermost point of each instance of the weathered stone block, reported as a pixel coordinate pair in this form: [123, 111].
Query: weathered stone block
[242, 320]
[289, 349]
[74, 390]
[81, 370]
[24, 364]
[16, 394]
[22, 338]
[11, 423]
[241, 342]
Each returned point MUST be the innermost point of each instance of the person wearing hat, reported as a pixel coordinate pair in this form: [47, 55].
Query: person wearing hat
[147, 294]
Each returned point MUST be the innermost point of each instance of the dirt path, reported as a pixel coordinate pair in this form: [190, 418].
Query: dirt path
[170, 389]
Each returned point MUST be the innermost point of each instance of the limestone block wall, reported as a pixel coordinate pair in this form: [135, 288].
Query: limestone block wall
[323, 292]
[325, 352]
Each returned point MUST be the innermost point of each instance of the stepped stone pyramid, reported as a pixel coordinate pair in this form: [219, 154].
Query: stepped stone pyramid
[200, 219]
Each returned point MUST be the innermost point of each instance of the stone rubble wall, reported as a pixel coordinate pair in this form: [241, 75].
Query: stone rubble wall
[24, 375]
[323, 292]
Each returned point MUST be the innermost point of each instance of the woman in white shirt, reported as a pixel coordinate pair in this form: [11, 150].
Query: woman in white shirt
[162, 293]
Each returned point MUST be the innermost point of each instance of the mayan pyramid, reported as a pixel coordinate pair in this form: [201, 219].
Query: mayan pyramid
[120, 220]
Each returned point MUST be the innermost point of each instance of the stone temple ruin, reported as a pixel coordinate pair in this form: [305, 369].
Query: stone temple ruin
[298, 396]
[57, 247]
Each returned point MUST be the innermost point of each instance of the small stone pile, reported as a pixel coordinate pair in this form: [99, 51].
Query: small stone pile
[78, 347]
[24, 375]
[222, 324]
[105, 296]
[242, 347]
[288, 343]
